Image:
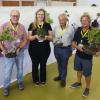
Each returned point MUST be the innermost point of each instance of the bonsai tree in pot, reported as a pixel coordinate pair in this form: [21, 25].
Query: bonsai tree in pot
[41, 31]
[93, 41]
[6, 36]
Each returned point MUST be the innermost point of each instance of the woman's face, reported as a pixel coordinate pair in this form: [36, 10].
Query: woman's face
[40, 16]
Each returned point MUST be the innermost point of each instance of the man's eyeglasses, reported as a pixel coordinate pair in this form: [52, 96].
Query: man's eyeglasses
[17, 16]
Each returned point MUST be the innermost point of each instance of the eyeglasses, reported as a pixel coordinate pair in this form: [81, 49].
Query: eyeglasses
[40, 14]
[17, 16]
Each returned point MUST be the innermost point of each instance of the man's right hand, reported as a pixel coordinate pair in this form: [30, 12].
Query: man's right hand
[4, 52]
[80, 49]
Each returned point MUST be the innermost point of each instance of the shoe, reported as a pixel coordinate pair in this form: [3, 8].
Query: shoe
[36, 83]
[6, 92]
[57, 78]
[86, 93]
[63, 83]
[43, 83]
[21, 86]
[75, 85]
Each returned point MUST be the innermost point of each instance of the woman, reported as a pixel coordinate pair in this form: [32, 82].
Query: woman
[39, 49]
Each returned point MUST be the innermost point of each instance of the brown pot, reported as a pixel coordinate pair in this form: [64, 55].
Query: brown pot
[90, 49]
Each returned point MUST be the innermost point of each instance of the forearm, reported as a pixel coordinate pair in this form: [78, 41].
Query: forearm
[23, 43]
[1, 47]
[50, 38]
[74, 45]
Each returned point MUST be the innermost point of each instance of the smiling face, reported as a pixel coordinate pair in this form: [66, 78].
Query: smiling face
[14, 16]
[62, 20]
[40, 15]
[85, 21]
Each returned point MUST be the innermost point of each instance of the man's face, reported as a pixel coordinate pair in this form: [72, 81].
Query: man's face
[62, 20]
[15, 17]
[85, 22]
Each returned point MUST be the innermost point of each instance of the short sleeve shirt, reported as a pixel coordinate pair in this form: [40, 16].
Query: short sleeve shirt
[77, 38]
[47, 28]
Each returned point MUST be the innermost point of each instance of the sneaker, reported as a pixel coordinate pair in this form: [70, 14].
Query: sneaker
[75, 85]
[57, 78]
[86, 92]
[43, 83]
[6, 92]
[21, 86]
[37, 83]
[63, 83]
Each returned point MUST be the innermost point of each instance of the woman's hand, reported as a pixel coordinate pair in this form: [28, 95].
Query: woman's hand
[30, 37]
[36, 37]
[46, 37]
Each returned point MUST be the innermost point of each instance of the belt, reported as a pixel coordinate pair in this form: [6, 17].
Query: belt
[63, 46]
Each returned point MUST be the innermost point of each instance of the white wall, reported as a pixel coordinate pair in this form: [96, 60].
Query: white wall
[27, 16]
[88, 2]
[60, 3]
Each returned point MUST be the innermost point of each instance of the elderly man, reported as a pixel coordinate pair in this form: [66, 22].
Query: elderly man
[83, 61]
[63, 36]
[18, 31]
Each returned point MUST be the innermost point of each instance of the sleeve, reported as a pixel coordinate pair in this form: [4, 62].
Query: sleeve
[30, 27]
[54, 32]
[49, 27]
[76, 36]
[72, 33]
[24, 33]
[1, 28]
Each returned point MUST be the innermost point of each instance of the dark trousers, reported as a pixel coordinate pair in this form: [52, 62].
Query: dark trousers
[39, 55]
[62, 57]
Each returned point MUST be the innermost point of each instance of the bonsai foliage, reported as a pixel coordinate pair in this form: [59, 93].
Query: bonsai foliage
[94, 41]
[94, 36]
[41, 32]
[48, 19]
[6, 35]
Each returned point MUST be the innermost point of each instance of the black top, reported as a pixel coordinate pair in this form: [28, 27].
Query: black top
[47, 28]
[77, 38]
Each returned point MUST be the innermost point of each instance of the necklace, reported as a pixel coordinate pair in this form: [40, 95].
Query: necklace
[15, 29]
[83, 35]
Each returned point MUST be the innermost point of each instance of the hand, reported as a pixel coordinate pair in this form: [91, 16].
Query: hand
[80, 49]
[46, 37]
[36, 37]
[4, 52]
[17, 51]
[33, 37]
[98, 53]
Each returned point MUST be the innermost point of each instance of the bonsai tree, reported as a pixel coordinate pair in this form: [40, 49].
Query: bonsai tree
[48, 19]
[93, 41]
[7, 36]
[41, 31]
